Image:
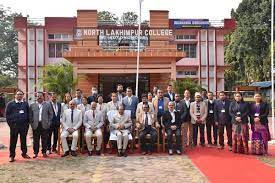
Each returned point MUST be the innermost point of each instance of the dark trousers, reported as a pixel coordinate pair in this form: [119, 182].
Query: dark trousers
[160, 128]
[153, 139]
[38, 133]
[170, 138]
[210, 125]
[22, 130]
[53, 131]
[196, 127]
[228, 127]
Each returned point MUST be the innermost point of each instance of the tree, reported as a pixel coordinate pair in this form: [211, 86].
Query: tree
[59, 78]
[129, 18]
[248, 51]
[107, 16]
[8, 43]
[187, 84]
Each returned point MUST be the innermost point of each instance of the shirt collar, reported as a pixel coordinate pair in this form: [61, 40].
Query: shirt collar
[17, 101]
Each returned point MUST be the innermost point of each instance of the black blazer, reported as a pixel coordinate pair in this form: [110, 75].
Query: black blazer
[168, 96]
[264, 111]
[56, 118]
[167, 118]
[13, 115]
[220, 117]
[182, 109]
[243, 109]
[186, 111]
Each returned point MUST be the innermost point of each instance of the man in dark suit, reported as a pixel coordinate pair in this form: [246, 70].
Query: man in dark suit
[55, 125]
[172, 123]
[169, 93]
[17, 115]
[130, 102]
[40, 116]
[187, 125]
[120, 93]
[223, 120]
[210, 120]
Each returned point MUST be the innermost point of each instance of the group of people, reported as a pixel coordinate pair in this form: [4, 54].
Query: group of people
[124, 118]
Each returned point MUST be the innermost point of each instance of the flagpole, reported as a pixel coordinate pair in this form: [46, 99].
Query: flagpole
[138, 49]
[272, 68]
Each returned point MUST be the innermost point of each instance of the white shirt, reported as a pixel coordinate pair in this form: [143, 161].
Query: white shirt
[171, 96]
[55, 108]
[187, 102]
[149, 118]
[173, 116]
[130, 100]
[17, 101]
[40, 106]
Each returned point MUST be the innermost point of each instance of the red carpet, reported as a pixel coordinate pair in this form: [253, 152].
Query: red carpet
[225, 166]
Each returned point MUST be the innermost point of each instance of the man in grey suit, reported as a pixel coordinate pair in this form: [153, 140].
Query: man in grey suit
[93, 122]
[121, 124]
[71, 121]
[130, 102]
[40, 117]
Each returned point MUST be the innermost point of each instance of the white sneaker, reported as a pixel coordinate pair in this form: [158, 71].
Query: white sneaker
[170, 152]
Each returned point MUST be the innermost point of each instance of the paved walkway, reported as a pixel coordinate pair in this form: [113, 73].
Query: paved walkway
[198, 165]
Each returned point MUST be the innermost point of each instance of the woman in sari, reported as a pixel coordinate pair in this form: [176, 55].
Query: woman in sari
[259, 124]
[239, 112]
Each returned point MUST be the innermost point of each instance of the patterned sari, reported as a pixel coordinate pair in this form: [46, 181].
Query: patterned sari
[240, 138]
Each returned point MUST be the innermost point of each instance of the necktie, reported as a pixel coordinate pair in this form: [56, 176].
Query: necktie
[93, 113]
[100, 108]
[146, 120]
[72, 116]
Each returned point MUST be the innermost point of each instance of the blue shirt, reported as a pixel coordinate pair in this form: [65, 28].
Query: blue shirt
[160, 107]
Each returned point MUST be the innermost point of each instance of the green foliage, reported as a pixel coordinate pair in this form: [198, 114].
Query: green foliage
[107, 16]
[187, 84]
[8, 43]
[129, 18]
[7, 81]
[248, 52]
[59, 78]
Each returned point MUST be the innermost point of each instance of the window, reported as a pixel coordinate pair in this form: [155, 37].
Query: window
[56, 50]
[58, 36]
[52, 50]
[190, 73]
[50, 36]
[180, 47]
[190, 50]
[181, 37]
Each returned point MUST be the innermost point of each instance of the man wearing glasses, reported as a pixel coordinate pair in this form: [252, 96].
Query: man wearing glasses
[17, 114]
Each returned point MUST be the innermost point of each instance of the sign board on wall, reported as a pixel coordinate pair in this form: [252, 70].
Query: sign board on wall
[190, 23]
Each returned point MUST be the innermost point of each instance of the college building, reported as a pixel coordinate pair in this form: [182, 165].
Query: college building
[105, 53]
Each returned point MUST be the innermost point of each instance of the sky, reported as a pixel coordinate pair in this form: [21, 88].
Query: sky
[211, 9]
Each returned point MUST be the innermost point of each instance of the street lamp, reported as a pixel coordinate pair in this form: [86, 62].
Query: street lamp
[138, 48]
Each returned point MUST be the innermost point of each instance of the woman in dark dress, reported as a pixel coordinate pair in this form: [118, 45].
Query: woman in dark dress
[259, 124]
[239, 112]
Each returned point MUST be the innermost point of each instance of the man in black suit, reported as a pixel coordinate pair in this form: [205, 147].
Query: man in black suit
[172, 123]
[187, 125]
[93, 97]
[169, 93]
[223, 119]
[17, 114]
[210, 120]
[55, 125]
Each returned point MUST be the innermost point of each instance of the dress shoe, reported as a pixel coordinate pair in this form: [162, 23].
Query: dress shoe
[73, 153]
[144, 153]
[124, 154]
[119, 154]
[229, 148]
[149, 152]
[98, 153]
[35, 156]
[11, 159]
[170, 152]
[45, 155]
[220, 147]
[65, 154]
[90, 153]
[178, 152]
[54, 151]
[26, 156]
[50, 152]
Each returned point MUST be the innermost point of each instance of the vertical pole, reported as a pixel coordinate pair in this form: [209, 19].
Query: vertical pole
[272, 68]
[138, 49]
